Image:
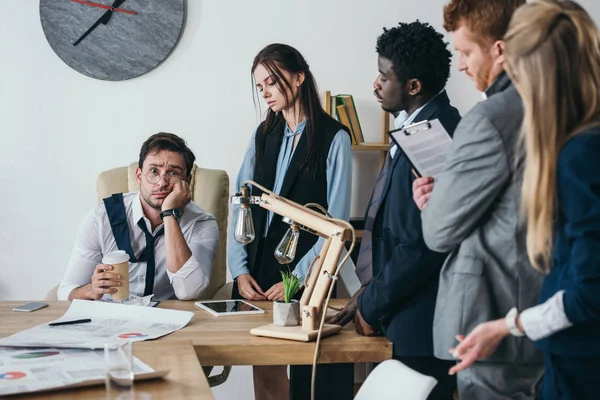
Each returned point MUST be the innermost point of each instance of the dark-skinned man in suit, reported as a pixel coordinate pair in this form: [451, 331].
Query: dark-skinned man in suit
[398, 273]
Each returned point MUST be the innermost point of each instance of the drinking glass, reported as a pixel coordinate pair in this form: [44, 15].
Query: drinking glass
[119, 371]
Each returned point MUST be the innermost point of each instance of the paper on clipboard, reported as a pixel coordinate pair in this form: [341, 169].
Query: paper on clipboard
[426, 144]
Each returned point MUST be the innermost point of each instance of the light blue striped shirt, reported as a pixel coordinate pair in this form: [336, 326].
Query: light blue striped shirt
[339, 191]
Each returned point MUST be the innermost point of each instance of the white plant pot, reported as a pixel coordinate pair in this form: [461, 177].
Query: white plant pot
[286, 314]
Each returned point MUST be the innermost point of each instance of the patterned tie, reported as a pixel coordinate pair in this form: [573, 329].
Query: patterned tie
[364, 263]
[148, 256]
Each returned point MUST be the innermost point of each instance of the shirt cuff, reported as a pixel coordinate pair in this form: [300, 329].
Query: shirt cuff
[364, 312]
[241, 271]
[64, 291]
[190, 266]
[298, 275]
[545, 319]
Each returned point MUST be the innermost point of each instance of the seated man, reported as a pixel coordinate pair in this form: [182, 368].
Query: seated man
[161, 216]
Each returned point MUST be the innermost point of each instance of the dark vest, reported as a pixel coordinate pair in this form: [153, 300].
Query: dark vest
[298, 186]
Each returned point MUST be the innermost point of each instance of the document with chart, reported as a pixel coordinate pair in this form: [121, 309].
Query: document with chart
[26, 370]
[425, 144]
[110, 324]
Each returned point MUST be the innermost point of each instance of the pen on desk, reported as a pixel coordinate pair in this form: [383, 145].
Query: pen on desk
[77, 321]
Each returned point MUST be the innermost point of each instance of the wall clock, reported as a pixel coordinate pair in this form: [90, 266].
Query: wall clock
[112, 40]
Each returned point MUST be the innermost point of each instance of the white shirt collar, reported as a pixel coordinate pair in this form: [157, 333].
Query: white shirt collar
[137, 212]
[403, 119]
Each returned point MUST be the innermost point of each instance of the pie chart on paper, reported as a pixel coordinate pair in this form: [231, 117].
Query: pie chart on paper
[133, 335]
[10, 375]
[36, 354]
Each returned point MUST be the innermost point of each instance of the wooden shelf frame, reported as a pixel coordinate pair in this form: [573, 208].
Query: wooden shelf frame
[382, 146]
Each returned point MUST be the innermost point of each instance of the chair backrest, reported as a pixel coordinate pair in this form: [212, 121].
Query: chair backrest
[210, 190]
[393, 380]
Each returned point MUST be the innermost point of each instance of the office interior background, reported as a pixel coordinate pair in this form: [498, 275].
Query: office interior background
[59, 129]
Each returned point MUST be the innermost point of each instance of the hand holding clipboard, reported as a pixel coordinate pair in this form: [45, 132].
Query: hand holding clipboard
[425, 144]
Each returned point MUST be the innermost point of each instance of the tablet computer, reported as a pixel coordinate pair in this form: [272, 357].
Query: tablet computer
[228, 307]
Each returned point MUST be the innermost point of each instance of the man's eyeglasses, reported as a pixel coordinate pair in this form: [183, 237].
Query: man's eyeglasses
[153, 177]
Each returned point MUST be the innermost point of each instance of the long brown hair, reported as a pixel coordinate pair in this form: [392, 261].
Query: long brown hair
[279, 57]
[553, 57]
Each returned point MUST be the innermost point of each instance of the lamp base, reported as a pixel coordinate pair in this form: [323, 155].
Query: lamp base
[294, 332]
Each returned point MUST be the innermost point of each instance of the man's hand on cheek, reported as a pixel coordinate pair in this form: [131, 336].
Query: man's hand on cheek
[179, 197]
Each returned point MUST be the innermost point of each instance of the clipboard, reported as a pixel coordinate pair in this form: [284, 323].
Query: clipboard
[426, 145]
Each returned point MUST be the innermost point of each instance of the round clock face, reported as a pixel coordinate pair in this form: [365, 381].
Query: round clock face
[112, 40]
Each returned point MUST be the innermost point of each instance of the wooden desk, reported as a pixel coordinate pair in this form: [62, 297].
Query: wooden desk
[227, 340]
[185, 381]
[216, 341]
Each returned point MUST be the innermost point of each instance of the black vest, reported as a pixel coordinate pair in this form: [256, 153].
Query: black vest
[298, 186]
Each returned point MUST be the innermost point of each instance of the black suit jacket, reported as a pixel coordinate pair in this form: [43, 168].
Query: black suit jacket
[400, 299]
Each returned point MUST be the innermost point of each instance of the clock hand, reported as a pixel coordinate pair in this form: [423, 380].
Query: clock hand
[90, 30]
[116, 4]
[104, 6]
[103, 19]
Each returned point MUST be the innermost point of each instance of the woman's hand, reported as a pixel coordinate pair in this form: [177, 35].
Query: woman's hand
[275, 293]
[248, 288]
[481, 343]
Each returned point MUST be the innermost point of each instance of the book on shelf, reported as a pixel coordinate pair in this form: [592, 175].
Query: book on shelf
[342, 108]
[344, 118]
[353, 114]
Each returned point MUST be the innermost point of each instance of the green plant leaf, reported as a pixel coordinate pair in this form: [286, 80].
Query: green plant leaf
[291, 283]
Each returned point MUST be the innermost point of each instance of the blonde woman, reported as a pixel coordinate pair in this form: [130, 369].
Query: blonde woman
[553, 57]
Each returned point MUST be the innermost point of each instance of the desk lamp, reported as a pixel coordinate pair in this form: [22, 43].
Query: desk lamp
[324, 268]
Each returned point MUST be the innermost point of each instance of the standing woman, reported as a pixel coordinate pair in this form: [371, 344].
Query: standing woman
[300, 153]
[553, 56]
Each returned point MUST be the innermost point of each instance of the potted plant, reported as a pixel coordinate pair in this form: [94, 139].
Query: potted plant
[287, 312]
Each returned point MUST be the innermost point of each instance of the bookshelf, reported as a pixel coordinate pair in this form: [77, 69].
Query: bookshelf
[382, 147]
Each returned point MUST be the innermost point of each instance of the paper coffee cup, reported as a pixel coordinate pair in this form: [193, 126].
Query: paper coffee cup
[120, 262]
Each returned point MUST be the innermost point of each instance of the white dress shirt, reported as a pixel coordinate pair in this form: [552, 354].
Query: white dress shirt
[95, 238]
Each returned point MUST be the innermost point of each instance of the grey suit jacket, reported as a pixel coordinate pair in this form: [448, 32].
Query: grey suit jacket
[473, 213]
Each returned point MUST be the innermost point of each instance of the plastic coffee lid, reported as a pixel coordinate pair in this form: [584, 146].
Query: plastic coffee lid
[115, 257]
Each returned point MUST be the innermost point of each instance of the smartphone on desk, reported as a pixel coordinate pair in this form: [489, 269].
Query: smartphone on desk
[29, 307]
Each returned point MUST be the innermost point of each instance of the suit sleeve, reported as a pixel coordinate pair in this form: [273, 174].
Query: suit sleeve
[476, 172]
[411, 267]
[578, 189]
